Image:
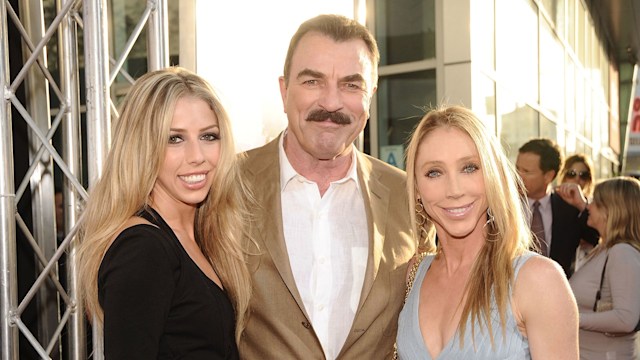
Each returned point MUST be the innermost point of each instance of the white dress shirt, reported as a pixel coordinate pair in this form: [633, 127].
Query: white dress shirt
[547, 216]
[328, 245]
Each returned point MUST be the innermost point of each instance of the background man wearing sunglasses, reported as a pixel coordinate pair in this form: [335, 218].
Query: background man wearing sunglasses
[557, 225]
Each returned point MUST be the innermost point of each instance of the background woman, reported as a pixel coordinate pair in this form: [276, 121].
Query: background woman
[160, 262]
[479, 294]
[608, 332]
[578, 169]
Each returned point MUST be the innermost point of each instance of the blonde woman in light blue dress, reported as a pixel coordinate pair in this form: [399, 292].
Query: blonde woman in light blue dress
[479, 293]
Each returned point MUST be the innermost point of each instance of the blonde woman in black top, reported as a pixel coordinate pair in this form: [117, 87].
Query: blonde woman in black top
[160, 260]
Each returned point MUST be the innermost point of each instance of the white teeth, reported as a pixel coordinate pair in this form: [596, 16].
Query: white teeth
[192, 179]
[457, 211]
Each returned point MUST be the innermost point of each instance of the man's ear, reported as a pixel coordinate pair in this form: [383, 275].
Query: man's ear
[283, 92]
[549, 176]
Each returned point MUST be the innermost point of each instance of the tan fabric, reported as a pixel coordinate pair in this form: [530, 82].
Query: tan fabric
[621, 289]
[278, 327]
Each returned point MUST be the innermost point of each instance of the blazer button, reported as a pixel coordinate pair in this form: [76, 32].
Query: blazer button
[306, 325]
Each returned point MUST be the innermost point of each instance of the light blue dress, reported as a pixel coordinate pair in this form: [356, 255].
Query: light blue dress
[411, 345]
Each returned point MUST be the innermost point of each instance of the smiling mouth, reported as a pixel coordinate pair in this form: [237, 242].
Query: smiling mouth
[458, 211]
[193, 179]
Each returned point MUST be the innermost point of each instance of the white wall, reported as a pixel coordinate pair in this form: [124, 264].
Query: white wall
[240, 48]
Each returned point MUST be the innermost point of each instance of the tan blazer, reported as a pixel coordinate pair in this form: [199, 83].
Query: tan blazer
[278, 326]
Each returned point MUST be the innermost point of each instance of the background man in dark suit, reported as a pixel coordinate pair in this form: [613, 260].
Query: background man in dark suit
[538, 163]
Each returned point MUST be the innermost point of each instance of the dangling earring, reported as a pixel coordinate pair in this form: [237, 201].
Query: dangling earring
[490, 218]
[491, 222]
[421, 218]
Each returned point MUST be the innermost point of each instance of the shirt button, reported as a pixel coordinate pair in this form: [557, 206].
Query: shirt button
[306, 325]
[320, 307]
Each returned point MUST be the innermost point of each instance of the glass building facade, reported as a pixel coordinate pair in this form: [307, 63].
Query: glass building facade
[527, 68]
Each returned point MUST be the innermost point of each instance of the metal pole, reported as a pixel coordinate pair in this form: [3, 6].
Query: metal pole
[8, 268]
[98, 116]
[96, 74]
[41, 181]
[158, 37]
[71, 153]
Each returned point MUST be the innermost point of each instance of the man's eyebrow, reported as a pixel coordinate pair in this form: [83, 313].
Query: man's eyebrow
[318, 75]
[310, 73]
[353, 78]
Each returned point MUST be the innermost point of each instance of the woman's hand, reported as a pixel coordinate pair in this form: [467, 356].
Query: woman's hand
[572, 194]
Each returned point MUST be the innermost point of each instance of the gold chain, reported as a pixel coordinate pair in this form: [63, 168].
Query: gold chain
[412, 276]
[412, 273]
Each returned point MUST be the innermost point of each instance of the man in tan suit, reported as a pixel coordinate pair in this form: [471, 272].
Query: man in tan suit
[332, 228]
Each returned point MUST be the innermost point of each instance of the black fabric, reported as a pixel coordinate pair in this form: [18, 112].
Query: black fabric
[157, 302]
[568, 227]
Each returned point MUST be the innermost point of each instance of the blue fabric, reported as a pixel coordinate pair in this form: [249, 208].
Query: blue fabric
[411, 345]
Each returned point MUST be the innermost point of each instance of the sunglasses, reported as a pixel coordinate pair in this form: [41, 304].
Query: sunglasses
[584, 175]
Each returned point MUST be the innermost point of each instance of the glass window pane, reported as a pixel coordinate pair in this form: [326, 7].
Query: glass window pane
[594, 53]
[588, 113]
[519, 123]
[482, 34]
[603, 121]
[484, 101]
[571, 23]
[548, 129]
[551, 69]
[570, 92]
[561, 22]
[516, 58]
[580, 113]
[551, 7]
[570, 142]
[604, 71]
[579, 146]
[604, 168]
[402, 101]
[405, 30]
[580, 34]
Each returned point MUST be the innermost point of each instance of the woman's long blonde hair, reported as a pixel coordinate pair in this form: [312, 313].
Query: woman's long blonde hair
[508, 234]
[618, 199]
[130, 171]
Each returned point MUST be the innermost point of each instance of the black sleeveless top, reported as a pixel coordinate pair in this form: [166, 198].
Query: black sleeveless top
[157, 302]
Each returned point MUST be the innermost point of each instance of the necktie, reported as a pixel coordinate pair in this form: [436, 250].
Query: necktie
[537, 227]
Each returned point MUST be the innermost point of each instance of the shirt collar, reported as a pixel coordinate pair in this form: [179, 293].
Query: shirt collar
[288, 173]
[545, 201]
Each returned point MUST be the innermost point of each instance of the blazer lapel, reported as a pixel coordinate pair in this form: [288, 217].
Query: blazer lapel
[376, 199]
[266, 171]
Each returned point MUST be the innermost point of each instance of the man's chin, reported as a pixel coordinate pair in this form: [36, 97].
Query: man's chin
[330, 155]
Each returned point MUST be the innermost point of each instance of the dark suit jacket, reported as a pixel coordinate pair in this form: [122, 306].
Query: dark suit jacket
[278, 326]
[569, 226]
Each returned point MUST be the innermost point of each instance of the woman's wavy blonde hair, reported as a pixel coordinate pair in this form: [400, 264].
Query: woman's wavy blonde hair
[130, 171]
[508, 234]
[619, 199]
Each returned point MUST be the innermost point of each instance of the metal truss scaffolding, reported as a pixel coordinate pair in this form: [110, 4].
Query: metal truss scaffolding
[81, 30]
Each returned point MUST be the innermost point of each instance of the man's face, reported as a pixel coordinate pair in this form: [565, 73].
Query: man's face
[328, 96]
[535, 180]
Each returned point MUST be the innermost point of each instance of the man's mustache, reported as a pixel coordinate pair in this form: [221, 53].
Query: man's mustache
[335, 117]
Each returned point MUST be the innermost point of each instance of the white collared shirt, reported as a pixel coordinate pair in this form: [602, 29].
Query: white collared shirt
[328, 245]
[547, 216]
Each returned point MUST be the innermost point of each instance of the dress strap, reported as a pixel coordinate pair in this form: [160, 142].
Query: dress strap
[520, 260]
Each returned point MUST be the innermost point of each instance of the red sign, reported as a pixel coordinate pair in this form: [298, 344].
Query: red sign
[635, 122]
